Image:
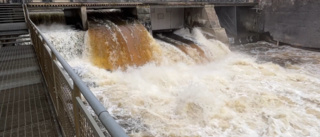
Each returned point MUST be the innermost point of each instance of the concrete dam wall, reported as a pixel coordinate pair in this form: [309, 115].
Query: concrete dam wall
[295, 22]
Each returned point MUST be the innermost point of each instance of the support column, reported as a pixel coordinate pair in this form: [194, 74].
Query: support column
[214, 23]
[84, 18]
[206, 18]
[144, 16]
[77, 17]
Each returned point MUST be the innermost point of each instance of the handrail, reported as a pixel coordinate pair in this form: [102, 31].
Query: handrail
[105, 118]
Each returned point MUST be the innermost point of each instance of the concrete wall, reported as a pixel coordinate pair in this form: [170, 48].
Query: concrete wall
[167, 18]
[206, 18]
[241, 23]
[296, 22]
[248, 21]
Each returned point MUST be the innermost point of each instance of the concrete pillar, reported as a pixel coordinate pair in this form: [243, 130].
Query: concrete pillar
[84, 18]
[144, 16]
[206, 18]
[214, 23]
[77, 17]
[212, 16]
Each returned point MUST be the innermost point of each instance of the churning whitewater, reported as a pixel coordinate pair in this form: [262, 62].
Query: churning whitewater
[239, 93]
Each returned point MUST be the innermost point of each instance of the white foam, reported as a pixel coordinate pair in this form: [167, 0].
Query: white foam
[230, 96]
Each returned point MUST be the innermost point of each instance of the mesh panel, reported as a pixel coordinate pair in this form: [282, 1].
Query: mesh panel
[88, 127]
[48, 72]
[60, 91]
[65, 122]
[61, 96]
[64, 97]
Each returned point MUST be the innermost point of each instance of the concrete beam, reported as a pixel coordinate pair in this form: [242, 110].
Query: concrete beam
[117, 4]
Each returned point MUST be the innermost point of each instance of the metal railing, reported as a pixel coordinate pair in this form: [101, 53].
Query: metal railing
[65, 88]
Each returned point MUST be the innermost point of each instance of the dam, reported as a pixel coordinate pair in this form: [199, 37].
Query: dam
[159, 68]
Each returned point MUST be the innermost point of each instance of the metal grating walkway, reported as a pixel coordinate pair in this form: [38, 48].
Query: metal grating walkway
[24, 106]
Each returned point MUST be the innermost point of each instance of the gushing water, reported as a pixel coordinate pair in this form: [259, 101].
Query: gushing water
[232, 94]
[117, 46]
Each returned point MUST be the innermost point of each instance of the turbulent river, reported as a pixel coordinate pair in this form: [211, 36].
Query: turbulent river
[154, 88]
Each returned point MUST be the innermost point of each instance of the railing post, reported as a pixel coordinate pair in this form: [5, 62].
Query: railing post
[76, 93]
[39, 48]
[53, 58]
[45, 70]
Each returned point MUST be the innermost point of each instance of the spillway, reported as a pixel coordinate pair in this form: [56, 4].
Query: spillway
[117, 46]
[155, 88]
